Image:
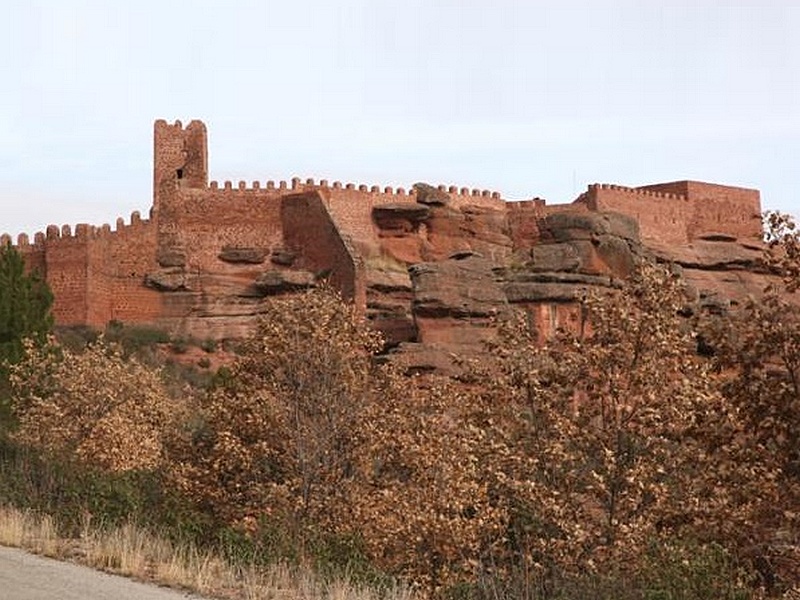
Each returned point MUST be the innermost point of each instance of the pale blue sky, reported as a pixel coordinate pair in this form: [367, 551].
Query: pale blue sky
[527, 98]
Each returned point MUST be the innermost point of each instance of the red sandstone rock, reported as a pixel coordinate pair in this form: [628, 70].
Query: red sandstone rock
[168, 280]
[273, 282]
[235, 254]
[427, 194]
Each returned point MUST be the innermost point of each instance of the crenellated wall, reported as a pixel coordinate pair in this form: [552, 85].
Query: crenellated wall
[677, 213]
[96, 272]
[195, 264]
[118, 262]
[663, 216]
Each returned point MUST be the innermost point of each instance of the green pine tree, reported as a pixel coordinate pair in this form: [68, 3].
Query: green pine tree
[25, 301]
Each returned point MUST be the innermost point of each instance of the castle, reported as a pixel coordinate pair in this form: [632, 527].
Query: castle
[421, 263]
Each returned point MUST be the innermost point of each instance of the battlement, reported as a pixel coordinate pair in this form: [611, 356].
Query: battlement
[645, 191]
[679, 212]
[296, 184]
[177, 124]
[83, 232]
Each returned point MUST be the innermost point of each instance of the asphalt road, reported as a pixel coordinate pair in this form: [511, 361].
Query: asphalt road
[25, 576]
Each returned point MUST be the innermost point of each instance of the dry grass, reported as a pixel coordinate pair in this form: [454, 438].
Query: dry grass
[134, 552]
[25, 530]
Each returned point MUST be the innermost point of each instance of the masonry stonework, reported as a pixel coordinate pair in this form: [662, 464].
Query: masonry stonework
[209, 254]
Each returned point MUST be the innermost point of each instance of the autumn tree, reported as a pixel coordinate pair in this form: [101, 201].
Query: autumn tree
[782, 254]
[95, 406]
[276, 435]
[758, 350]
[622, 435]
[425, 497]
[307, 430]
[760, 344]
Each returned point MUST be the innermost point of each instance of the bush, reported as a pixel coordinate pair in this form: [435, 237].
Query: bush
[25, 301]
[76, 338]
[276, 436]
[135, 339]
[669, 569]
[69, 492]
[96, 406]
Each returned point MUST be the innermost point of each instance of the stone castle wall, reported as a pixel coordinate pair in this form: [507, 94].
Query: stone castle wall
[96, 273]
[199, 263]
[678, 213]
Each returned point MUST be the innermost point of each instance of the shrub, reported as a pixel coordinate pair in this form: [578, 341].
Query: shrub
[668, 569]
[275, 438]
[25, 301]
[96, 406]
[135, 339]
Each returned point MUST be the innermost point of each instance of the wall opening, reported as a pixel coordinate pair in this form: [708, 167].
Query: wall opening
[179, 173]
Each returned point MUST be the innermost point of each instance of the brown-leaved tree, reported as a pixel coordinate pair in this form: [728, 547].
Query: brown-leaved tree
[97, 406]
[622, 434]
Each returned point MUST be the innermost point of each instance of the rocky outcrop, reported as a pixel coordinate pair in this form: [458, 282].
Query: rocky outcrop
[590, 243]
[577, 252]
[387, 216]
[284, 280]
[720, 270]
[238, 254]
[172, 279]
[457, 299]
[428, 194]
[431, 268]
[458, 287]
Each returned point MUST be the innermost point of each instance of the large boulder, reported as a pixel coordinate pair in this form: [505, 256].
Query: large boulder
[284, 280]
[476, 228]
[242, 254]
[459, 287]
[428, 194]
[589, 243]
[569, 225]
[172, 279]
[400, 218]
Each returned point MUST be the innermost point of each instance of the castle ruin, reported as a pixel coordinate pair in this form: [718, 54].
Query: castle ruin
[427, 265]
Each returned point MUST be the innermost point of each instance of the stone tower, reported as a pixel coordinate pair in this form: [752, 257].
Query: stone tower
[180, 159]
